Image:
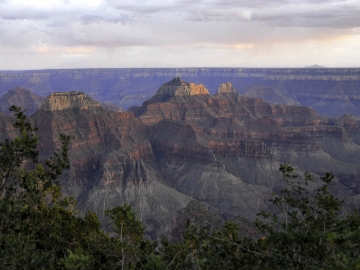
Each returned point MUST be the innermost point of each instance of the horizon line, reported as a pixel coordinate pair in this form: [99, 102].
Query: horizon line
[200, 67]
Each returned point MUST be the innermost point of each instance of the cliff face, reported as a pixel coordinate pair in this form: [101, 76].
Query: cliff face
[178, 87]
[111, 160]
[352, 126]
[331, 92]
[68, 100]
[226, 88]
[158, 169]
[185, 149]
[249, 137]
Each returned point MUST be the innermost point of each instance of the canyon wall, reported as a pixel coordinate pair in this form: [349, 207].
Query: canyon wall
[331, 92]
[186, 152]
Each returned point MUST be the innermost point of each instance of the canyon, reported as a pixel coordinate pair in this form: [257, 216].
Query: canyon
[330, 91]
[191, 153]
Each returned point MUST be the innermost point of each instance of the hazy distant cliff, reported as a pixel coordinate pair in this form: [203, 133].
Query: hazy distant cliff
[20, 97]
[332, 92]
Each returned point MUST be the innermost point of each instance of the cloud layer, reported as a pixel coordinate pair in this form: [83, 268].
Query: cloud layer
[122, 33]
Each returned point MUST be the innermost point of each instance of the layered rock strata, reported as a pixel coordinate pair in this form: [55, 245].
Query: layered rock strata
[111, 160]
[68, 100]
[330, 91]
[240, 130]
[185, 149]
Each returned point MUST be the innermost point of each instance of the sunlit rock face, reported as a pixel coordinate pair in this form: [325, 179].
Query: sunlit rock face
[178, 87]
[68, 100]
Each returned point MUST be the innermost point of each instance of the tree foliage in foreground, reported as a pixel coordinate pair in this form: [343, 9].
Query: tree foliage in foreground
[40, 229]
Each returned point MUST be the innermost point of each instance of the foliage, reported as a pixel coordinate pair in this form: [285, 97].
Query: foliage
[310, 231]
[40, 229]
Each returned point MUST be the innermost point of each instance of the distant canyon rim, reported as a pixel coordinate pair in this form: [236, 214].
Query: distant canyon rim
[332, 92]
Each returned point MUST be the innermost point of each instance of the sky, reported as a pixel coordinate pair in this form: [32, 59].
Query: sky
[53, 34]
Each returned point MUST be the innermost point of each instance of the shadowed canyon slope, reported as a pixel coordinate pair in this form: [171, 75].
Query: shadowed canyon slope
[188, 154]
[20, 97]
[330, 91]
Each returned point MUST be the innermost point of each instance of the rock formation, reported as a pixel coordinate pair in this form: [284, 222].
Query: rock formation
[250, 137]
[185, 153]
[226, 88]
[178, 87]
[20, 97]
[330, 91]
[111, 160]
[68, 100]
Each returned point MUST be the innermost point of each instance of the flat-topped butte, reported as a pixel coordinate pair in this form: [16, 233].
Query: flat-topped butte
[68, 100]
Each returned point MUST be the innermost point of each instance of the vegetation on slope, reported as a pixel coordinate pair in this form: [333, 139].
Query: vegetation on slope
[40, 229]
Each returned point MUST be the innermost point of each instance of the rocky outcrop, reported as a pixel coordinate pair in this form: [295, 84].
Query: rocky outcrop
[178, 87]
[235, 129]
[226, 88]
[205, 109]
[20, 97]
[68, 100]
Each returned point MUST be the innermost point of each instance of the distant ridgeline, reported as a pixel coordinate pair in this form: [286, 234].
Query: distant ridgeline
[330, 91]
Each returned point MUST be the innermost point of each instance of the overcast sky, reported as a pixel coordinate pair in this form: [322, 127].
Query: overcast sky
[37, 34]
